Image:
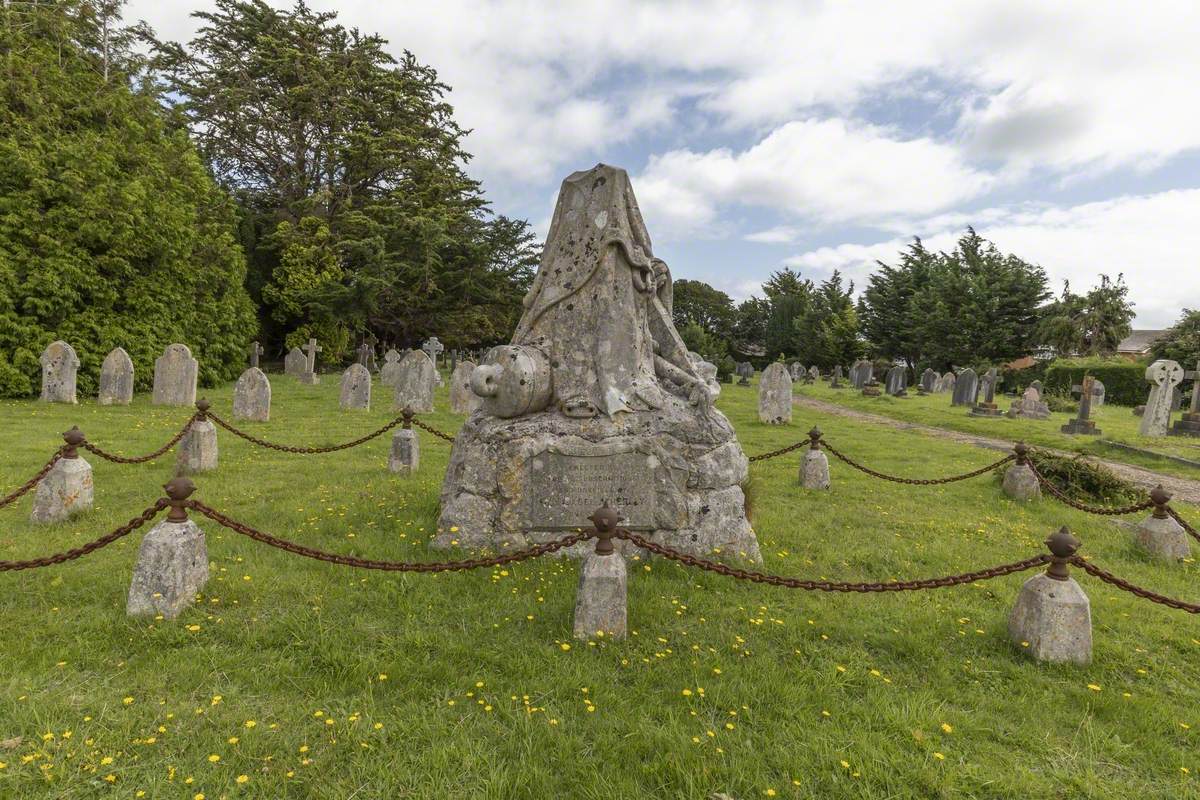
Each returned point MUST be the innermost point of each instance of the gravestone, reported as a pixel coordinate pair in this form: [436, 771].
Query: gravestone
[391, 368]
[1190, 424]
[1163, 376]
[254, 351]
[1083, 424]
[405, 457]
[836, 381]
[1030, 406]
[861, 373]
[462, 399]
[1097, 393]
[987, 407]
[415, 379]
[745, 371]
[309, 375]
[433, 348]
[59, 366]
[252, 396]
[947, 382]
[775, 395]
[175, 375]
[897, 382]
[814, 374]
[1038, 385]
[356, 389]
[366, 356]
[595, 400]
[796, 370]
[294, 362]
[966, 388]
[116, 379]
[928, 379]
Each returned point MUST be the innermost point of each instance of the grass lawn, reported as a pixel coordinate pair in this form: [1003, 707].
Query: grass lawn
[315, 681]
[1117, 424]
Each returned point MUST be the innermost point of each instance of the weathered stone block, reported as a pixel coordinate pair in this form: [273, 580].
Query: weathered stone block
[600, 600]
[172, 567]
[1021, 484]
[775, 395]
[814, 470]
[1163, 538]
[66, 490]
[198, 448]
[252, 396]
[1052, 621]
[406, 452]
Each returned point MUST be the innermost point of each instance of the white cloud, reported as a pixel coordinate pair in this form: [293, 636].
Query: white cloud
[1152, 239]
[824, 170]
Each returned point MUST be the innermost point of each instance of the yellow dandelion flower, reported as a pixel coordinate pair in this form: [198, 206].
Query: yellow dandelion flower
[1094, 687]
[947, 727]
[939, 756]
[214, 758]
[243, 778]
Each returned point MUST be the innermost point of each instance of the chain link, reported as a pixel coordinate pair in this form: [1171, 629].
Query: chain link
[21, 490]
[304, 450]
[78, 552]
[1183, 523]
[915, 481]
[1138, 591]
[388, 566]
[1101, 510]
[116, 459]
[780, 452]
[434, 431]
[830, 586]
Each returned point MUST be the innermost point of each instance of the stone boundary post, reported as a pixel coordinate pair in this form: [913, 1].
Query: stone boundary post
[1019, 481]
[1159, 534]
[601, 597]
[198, 448]
[405, 458]
[67, 488]
[172, 564]
[814, 469]
[1052, 618]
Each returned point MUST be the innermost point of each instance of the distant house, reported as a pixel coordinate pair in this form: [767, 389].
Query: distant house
[1137, 344]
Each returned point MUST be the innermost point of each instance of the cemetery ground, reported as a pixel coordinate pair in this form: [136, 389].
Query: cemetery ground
[1117, 423]
[294, 678]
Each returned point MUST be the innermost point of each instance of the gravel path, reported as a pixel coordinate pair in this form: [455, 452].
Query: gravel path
[1183, 489]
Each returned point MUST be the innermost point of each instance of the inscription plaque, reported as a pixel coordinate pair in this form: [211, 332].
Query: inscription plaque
[564, 489]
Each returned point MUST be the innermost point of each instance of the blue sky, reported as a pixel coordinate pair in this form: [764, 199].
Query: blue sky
[825, 135]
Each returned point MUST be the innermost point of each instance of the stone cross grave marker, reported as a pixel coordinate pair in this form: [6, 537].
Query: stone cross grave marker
[432, 348]
[1190, 424]
[255, 351]
[745, 371]
[1164, 376]
[988, 408]
[1082, 424]
[310, 362]
[364, 354]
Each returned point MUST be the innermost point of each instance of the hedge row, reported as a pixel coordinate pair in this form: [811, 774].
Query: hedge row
[1124, 381]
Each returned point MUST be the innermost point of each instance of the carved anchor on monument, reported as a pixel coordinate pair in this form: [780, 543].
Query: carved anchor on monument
[596, 399]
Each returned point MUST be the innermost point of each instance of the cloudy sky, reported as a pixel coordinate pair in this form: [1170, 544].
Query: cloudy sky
[824, 135]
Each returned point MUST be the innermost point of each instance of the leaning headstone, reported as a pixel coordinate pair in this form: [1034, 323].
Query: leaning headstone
[1083, 424]
[198, 447]
[415, 379]
[309, 375]
[175, 375]
[861, 373]
[1030, 406]
[405, 457]
[897, 382]
[172, 563]
[1164, 376]
[67, 488]
[294, 362]
[252, 396]
[596, 398]
[1189, 425]
[59, 365]
[987, 407]
[775, 395]
[1052, 618]
[462, 399]
[966, 388]
[116, 379]
[390, 370]
[356, 388]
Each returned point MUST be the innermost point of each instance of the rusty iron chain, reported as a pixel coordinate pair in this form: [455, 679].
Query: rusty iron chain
[304, 450]
[780, 452]
[1138, 591]
[78, 552]
[915, 481]
[21, 490]
[1183, 523]
[388, 566]
[434, 431]
[1100, 510]
[116, 459]
[830, 586]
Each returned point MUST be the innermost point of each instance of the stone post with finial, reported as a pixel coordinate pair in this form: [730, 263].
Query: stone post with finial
[1020, 482]
[1159, 534]
[198, 448]
[172, 563]
[406, 448]
[67, 488]
[1052, 618]
[600, 599]
[814, 469]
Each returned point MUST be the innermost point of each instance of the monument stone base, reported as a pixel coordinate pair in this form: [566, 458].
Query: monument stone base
[674, 475]
[1086, 427]
[1188, 426]
[986, 410]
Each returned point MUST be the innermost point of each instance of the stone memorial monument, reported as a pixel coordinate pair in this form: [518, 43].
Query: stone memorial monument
[415, 379]
[294, 362]
[1190, 424]
[595, 401]
[1164, 376]
[861, 373]
[796, 369]
[175, 375]
[116, 379]
[987, 407]
[928, 379]
[309, 375]
[946, 383]
[356, 388]
[775, 395]
[1083, 424]
[897, 382]
[390, 369]
[59, 366]
[252, 396]
[966, 388]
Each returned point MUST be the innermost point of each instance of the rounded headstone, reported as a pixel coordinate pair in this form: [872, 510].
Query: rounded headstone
[175, 376]
[116, 379]
[59, 366]
[356, 388]
[415, 380]
[252, 396]
[775, 395]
